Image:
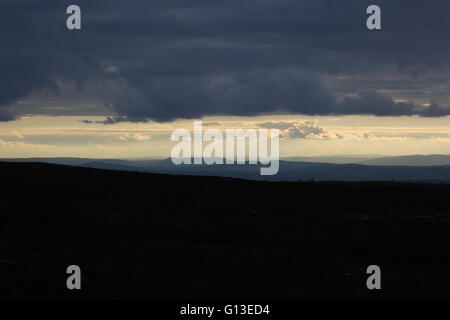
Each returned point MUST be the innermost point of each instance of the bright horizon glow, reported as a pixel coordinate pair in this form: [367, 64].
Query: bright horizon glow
[68, 136]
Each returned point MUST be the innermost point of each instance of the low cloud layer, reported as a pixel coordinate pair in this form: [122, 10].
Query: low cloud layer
[295, 130]
[168, 59]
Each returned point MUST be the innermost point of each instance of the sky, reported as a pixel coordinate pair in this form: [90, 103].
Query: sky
[139, 69]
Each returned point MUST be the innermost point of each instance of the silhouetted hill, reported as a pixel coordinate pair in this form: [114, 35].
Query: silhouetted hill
[139, 235]
[111, 166]
[289, 170]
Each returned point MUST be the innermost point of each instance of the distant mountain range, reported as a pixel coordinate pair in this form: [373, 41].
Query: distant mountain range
[415, 160]
[410, 160]
[415, 168]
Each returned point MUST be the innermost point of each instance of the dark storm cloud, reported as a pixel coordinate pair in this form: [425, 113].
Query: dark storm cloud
[168, 59]
[6, 116]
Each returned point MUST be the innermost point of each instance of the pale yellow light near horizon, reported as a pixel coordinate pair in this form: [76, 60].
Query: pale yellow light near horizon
[68, 136]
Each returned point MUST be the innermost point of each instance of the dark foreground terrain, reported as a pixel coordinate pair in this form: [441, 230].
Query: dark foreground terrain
[138, 235]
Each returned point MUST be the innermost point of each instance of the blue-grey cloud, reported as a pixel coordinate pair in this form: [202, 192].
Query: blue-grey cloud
[167, 59]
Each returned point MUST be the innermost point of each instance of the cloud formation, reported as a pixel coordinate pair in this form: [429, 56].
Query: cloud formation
[295, 129]
[134, 137]
[167, 59]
